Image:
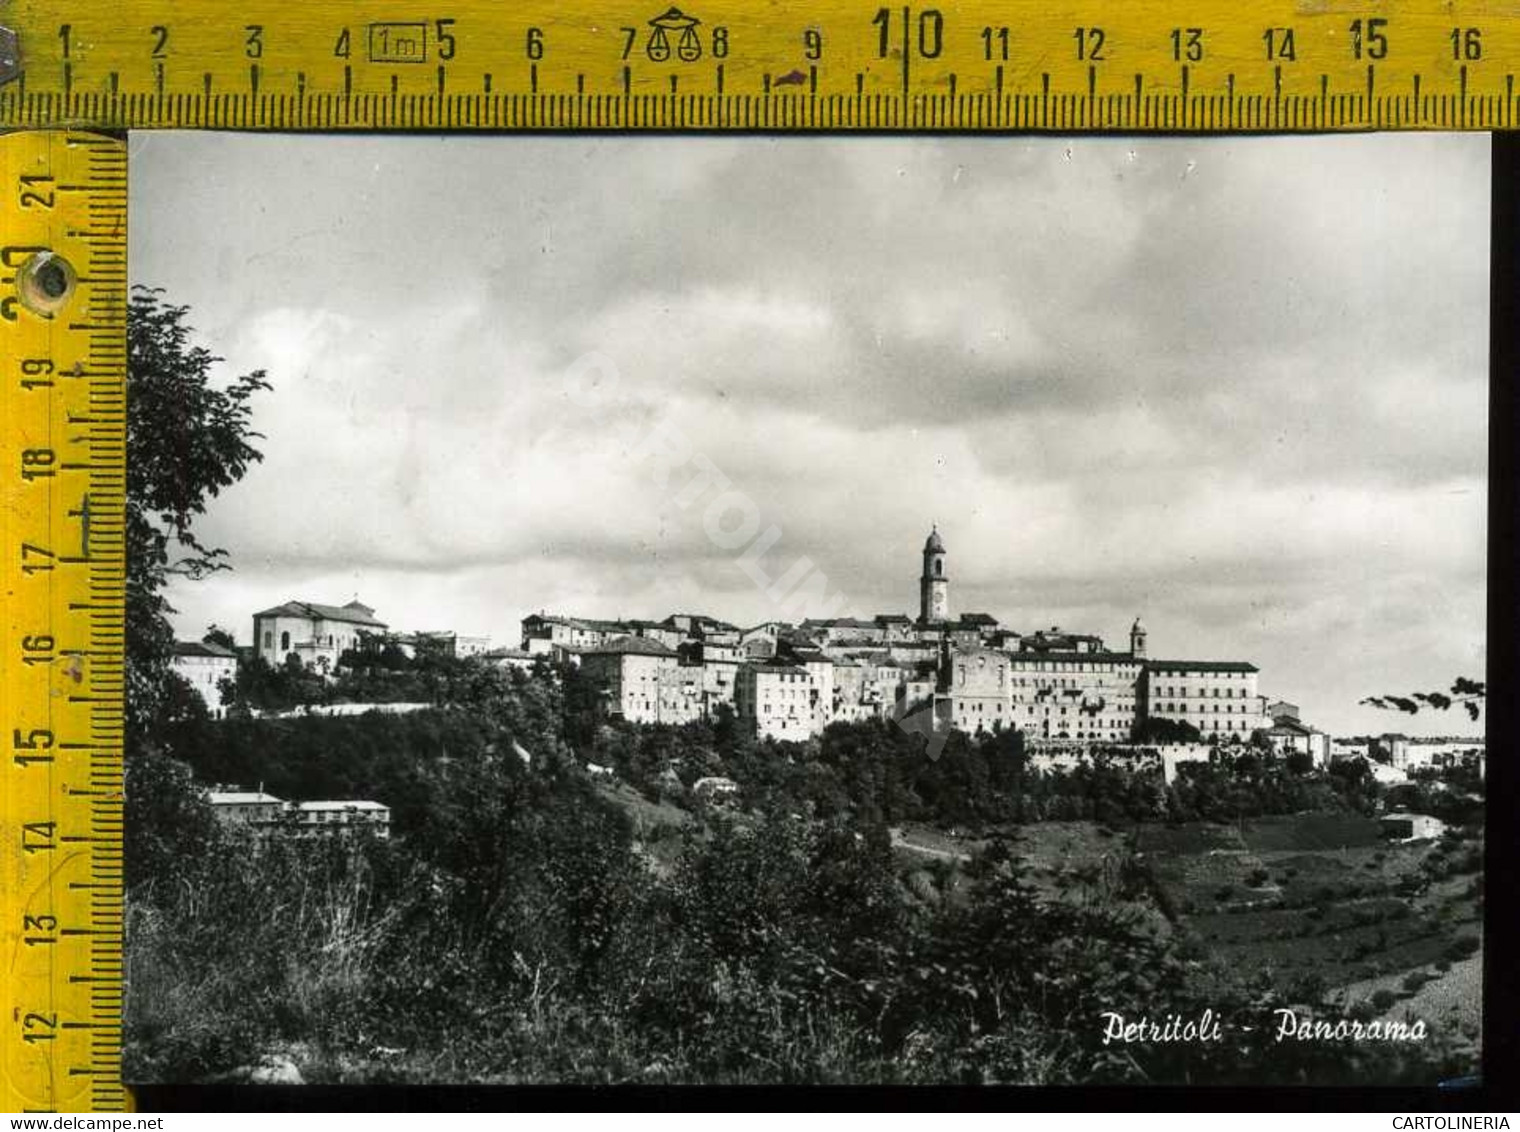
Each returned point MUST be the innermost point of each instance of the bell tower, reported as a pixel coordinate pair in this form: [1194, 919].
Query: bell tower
[1137, 639]
[933, 585]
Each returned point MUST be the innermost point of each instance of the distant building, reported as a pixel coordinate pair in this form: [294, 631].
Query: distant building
[779, 700]
[1401, 826]
[550, 633]
[330, 819]
[510, 658]
[1387, 775]
[1287, 735]
[204, 666]
[934, 583]
[1393, 749]
[974, 692]
[1282, 709]
[681, 693]
[446, 642]
[267, 814]
[1218, 697]
[638, 678]
[1345, 749]
[760, 642]
[318, 635]
[1090, 696]
[714, 787]
[252, 808]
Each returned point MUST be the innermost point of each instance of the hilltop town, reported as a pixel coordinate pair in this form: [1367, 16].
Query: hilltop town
[940, 671]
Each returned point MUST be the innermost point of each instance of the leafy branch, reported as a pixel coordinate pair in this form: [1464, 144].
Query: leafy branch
[1469, 694]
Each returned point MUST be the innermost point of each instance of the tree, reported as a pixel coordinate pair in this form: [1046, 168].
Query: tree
[216, 635]
[1160, 730]
[188, 438]
[1469, 694]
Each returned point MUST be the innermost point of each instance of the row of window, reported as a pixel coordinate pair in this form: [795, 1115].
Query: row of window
[1075, 666]
[1212, 675]
[1183, 708]
[1203, 693]
[329, 641]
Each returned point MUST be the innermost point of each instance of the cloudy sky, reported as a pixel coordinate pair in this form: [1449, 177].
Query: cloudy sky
[1237, 387]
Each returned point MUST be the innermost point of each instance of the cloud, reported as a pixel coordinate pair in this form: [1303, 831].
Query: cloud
[1236, 384]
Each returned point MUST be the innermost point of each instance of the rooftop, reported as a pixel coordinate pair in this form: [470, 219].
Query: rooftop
[353, 613]
[1075, 657]
[776, 667]
[203, 648]
[241, 798]
[1200, 666]
[632, 646]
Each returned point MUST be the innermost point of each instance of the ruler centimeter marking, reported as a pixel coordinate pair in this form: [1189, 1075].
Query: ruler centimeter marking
[1025, 65]
[62, 464]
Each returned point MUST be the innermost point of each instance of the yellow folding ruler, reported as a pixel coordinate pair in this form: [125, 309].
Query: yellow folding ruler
[63, 270]
[71, 69]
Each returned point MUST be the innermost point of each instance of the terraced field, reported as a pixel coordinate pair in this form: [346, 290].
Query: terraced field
[1312, 901]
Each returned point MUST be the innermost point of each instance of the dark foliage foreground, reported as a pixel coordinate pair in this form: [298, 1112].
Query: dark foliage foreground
[516, 930]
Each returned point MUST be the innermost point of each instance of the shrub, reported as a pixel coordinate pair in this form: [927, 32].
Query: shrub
[1365, 1011]
[1462, 947]
[1383, 999]
[1415, 980]
[1224, 893]
[1257, 878]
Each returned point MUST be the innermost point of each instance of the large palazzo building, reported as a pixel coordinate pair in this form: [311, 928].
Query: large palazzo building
[972, 672]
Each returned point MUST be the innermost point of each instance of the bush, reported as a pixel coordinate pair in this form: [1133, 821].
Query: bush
[1415, 980]
[1257, 878]
[1383, 999]
[1365, 1011]
[1462, 947]
[1224, 893]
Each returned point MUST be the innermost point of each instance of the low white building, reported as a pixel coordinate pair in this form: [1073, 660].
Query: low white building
[510, 658]
[331, 819]
[1403, 826]
[714, 787]
[204, 666]
[446, 642]
[1288, 735]
[246, 807]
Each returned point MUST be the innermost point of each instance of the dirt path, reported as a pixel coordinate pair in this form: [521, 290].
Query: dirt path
[901, 842]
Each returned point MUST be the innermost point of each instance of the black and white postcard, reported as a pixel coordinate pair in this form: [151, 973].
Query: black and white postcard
[815, 610]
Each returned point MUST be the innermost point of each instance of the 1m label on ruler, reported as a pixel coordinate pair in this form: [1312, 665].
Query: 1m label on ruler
[472, 64]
